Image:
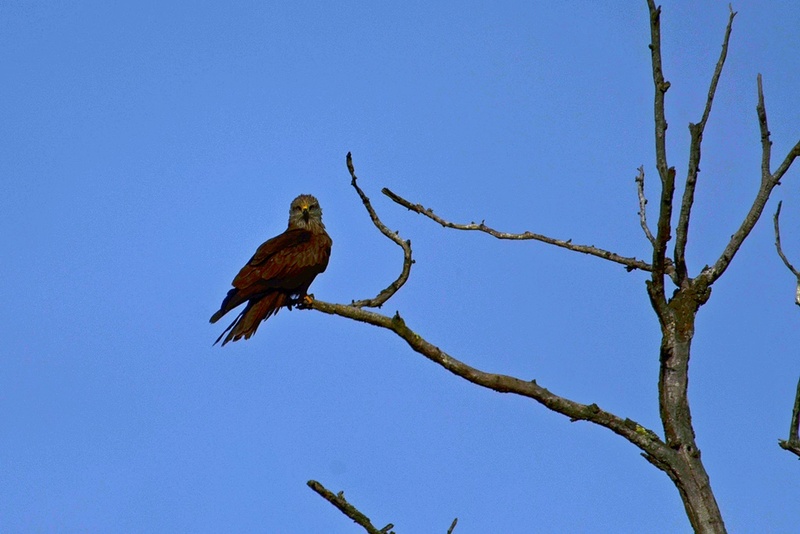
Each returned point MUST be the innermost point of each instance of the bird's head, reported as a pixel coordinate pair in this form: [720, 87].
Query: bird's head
[305, 213]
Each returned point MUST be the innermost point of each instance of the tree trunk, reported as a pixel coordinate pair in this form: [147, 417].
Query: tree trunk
[685, 467]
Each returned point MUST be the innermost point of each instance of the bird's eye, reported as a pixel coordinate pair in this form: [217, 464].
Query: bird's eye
[297, 208]
[315, 206]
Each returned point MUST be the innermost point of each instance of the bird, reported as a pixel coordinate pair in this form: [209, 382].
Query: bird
[279, 273]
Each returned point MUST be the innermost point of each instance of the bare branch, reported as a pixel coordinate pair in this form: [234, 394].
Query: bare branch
[776, 223]
[793, 443]
[661, 87]
[647, 440]
[452, 526]
[629, 263]
[768, 183]
[347, 509]
[386, 294]
[643, 438]
[642, 206]
[665, 172]
[787, 162]
[696, 131]
[766, 144]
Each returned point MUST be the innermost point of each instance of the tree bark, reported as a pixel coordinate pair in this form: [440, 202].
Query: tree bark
[685, 466]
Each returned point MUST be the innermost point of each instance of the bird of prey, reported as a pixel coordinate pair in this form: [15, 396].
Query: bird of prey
[280, 272]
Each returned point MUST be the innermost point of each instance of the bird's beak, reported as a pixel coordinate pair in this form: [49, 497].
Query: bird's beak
[305, 213]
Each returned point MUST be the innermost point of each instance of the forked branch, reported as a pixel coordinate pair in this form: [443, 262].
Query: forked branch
[768, 182]
[696, 131]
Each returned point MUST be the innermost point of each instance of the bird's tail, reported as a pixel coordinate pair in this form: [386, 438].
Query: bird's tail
[246, 323]
[231, 300]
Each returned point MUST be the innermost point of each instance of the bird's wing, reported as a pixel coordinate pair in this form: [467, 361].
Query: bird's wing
[285, 256]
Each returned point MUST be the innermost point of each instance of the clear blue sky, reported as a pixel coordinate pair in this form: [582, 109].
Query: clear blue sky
[147, 149]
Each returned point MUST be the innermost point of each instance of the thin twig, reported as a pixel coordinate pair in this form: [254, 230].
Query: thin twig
[776, 223]
[386, 294]
[696, 131]
[629, 263]
[793, 443]
[346, 508]
[452, 526]
[787, 162]
[642, 206]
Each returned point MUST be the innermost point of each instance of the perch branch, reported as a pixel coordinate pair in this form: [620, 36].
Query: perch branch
[696, 132]
[629, 263]
[347, 509]
[793, 443]
[386, 294]
[452, 526]
[768, 182]
[647, 440]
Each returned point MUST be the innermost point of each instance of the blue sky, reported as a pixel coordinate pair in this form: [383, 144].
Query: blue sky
[146, 150]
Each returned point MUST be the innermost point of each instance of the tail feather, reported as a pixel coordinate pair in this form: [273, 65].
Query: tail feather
[246, 323]
[231, 300]
[228, 328]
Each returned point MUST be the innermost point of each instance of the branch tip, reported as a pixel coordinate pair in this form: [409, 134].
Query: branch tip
[345, 507]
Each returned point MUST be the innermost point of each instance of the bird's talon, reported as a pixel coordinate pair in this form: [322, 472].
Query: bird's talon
[305, 302]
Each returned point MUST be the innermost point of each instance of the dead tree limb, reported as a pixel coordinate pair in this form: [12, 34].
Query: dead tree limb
[378, 300]
[630, 264]
[768, 182]
[665, 172]
[793, 443]
[348, 509]
[643, 207]
[795, 272]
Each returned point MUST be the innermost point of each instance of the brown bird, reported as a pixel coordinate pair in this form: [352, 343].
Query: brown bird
[280, 272]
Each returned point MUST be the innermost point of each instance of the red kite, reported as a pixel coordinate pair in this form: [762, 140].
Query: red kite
[280, 272]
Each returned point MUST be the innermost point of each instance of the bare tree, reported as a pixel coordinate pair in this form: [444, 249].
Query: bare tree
[675, 451]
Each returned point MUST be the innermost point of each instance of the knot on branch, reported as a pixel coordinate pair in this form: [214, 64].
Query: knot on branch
[397, 320]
